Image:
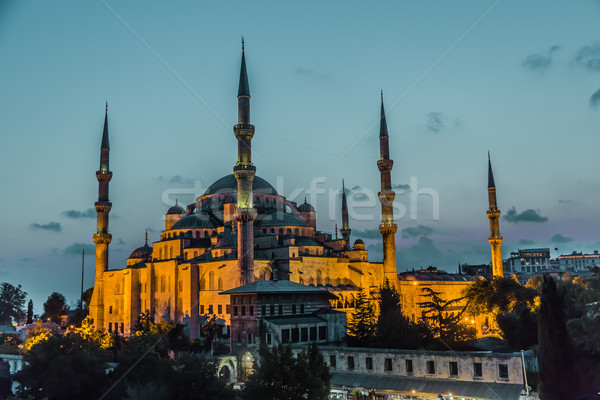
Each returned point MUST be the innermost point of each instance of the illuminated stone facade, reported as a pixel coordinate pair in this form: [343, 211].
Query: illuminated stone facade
[198, 255]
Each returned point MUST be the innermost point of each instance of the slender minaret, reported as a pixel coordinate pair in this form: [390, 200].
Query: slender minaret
[345, 225]
[493, 214]
[244, 172]
[102, 238]
[387, 228]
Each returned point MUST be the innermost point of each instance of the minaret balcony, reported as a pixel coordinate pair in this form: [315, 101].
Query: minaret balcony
[385, 164]
[103, 176]
[245, 131]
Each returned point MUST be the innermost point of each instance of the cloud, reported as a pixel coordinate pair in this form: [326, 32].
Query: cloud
[357, 193]
[558, 238]
[311, 73]
[565, 201]
[120, 242]
[529, 215]
[50, 226]
[76, 248]
[413, 232]
[435, 121]
[540, 61]
[422, 254]
[76, 214]
[368, 234]
[595, 99]
[175, 180]
[589, 57]
[526, 242]
[402, 186]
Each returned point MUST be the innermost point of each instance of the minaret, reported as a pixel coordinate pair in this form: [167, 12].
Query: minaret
[387, 228]
[244, 173]
[345, 226]
[102, 238]
[493, 214]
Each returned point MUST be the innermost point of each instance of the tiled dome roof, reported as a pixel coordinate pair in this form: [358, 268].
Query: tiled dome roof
[196, 220]
[143, 252]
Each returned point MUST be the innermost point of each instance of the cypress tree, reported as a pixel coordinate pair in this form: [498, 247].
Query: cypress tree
[555, 354]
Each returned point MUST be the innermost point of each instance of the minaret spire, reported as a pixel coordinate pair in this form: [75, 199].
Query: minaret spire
[345, 225]
[493, 214]
[102, 238]
[386, 196]
[244, 173]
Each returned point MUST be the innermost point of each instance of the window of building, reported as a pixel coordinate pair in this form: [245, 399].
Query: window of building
[239, 338]
[123, 331]
[453, 365]
[201, 308]
[313, 333]
[110, 326]
[234, 299]
[295, 335]
[227, 309]
[503, 371]
[243, 310]
[110, 310]
[323, 332]
[304, 334]
[285, 335]
[301, 308]
[409, 366]
[369, 362]
[271, 309]
[210, 308]
[387, 364]
[263, 310]
[251, 311]
[220, 309]
[269, 339]
[293, 309]
[250, 338]
[431, 367]
[281, 309]
[235, 311]
[477, 370]
[332, 361]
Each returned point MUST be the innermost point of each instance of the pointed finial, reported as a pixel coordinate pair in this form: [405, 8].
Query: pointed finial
[304, 199]
[343, 186]
[176, 203]
[146, 236]
[382, 95]
[243, 43]
[488, 155]
[106, 106]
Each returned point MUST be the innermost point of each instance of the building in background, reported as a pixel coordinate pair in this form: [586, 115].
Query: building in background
[529, 260]
[579, 262]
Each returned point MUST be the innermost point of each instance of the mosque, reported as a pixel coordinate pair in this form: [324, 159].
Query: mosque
[242, 230]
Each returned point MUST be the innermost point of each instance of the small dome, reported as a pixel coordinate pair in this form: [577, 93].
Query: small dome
[359, 241]
[305, 207]
[175, 209]
[195, 221]
[143, 252]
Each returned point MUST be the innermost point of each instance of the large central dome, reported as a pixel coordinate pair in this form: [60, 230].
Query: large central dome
[228, 184]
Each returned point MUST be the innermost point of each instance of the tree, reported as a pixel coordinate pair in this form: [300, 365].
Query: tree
[280, 375]
[498, 295]
[30, 312]
[55, 307]
[519, 328]
[63, 367]
[361, 328]
[86, 296]
[554, 351]
[12, 302]
[394, 330]
[445, 325]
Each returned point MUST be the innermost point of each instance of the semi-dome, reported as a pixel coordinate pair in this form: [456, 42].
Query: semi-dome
[197, 220]
[228, 184]
[143, 252]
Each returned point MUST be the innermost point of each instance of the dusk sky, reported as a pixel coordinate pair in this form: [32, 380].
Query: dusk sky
[518, 78]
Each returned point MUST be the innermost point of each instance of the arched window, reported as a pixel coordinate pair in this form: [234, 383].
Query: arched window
[162, 283]
[211, 280]
[202, 284]
[296, 232]
[220, 284]
[170, 252]
[319, 277]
